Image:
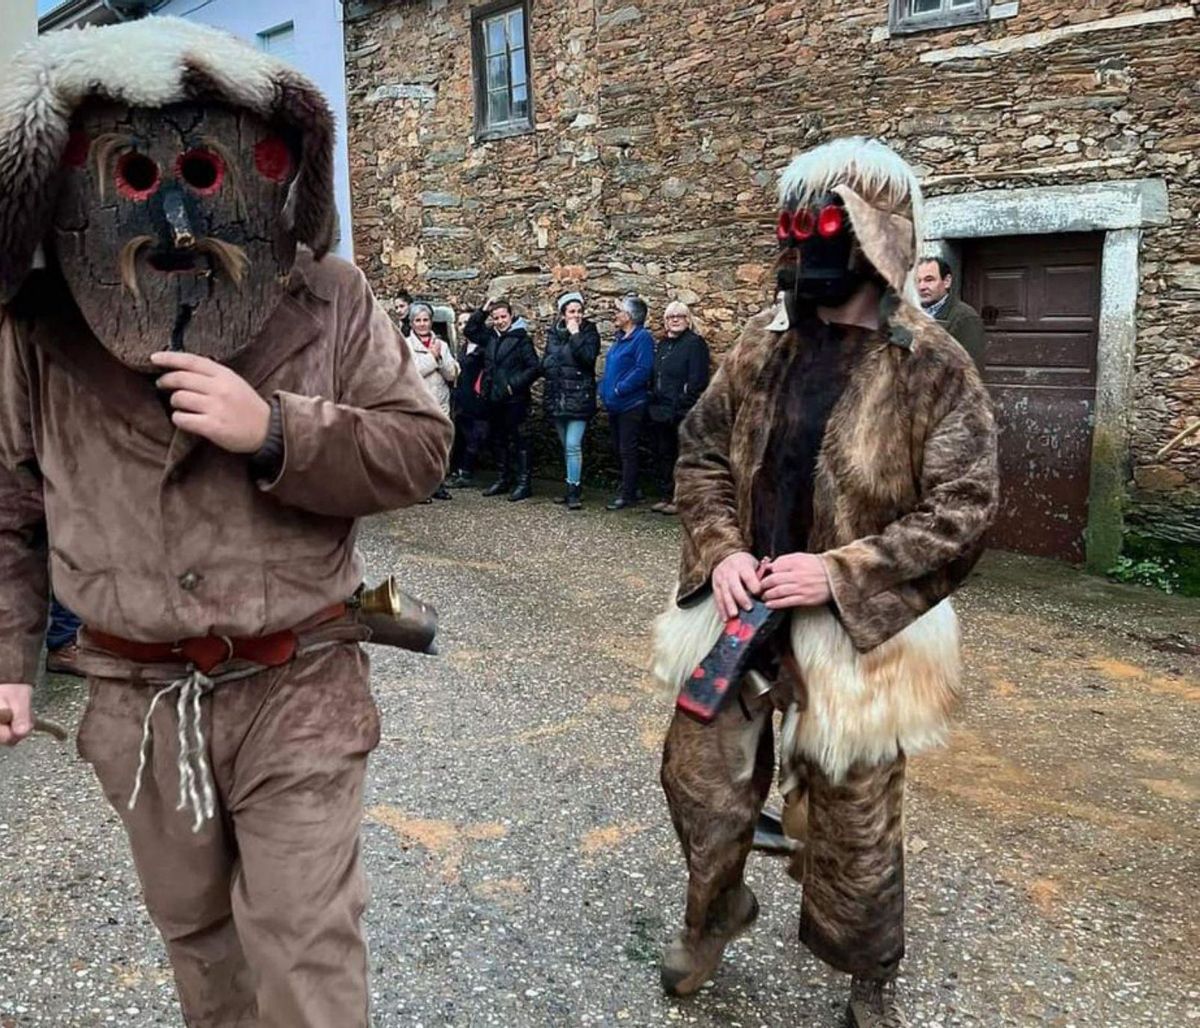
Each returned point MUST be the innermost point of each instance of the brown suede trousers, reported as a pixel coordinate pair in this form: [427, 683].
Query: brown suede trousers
[261, 909]
[717, 777]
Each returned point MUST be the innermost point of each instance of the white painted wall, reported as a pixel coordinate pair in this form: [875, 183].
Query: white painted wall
[18, 24]
[317, 51]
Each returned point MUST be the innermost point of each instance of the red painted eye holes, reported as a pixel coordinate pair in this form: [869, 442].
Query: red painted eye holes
[201, 169]
[800, 225]
[273, 159]
[830, 221]
[137, 176]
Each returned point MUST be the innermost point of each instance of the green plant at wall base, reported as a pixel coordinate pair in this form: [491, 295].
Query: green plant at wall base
[1146, 571]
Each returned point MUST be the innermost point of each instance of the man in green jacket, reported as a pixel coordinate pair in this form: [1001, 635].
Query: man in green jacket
[962, 321]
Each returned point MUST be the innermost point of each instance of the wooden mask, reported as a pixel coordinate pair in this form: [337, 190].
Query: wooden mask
[170, 227]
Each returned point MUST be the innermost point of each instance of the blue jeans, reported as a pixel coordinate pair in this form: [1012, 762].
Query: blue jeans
[570, 434]
[62, 628]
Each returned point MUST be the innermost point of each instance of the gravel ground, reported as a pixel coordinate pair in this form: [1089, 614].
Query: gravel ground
[523, 867]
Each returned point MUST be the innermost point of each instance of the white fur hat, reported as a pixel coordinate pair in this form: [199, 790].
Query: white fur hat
[882, 198]
[148, 63]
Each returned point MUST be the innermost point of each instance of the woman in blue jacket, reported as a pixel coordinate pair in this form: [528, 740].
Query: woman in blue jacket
[625, 390]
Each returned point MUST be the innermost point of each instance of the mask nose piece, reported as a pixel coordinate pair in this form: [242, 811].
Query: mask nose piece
[178, 223]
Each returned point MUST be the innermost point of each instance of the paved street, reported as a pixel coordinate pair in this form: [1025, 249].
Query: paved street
[523, 867]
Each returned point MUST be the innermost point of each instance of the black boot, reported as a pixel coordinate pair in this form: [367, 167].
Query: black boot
[524, 488]
[574, 498]
[461, 479]
[505, 482]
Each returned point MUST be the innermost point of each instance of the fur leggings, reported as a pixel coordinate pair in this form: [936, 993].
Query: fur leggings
[717, 777]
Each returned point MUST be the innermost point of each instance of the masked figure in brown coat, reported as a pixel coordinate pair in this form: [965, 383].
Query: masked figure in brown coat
[841, 466]
[196, 404]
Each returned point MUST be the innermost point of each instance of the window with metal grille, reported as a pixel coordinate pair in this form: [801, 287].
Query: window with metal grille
[503, 93]
[918, 15]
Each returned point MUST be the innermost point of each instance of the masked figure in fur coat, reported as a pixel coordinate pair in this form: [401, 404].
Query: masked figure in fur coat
[840, 467]
[196, 404]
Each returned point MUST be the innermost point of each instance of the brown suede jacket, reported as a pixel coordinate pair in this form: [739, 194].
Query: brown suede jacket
[157, 535]
[906, 483]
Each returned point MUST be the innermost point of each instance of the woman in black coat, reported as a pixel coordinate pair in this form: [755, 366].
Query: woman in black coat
[569, 392]
[680, 375]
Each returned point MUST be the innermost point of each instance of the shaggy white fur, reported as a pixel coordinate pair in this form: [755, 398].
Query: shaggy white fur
[860, 706]
[869, 706]
[682, 638]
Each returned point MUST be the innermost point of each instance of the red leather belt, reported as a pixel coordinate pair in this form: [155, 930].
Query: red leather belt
[205, 652]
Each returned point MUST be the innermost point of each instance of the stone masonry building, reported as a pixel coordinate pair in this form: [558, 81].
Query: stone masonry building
[521, 147]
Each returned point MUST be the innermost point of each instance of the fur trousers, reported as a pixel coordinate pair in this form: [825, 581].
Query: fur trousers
[716, 778]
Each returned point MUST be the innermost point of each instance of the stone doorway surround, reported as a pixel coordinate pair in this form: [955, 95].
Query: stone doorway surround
[1121, 210]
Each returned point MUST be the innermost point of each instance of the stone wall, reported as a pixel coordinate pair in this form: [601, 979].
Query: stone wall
[660, 130]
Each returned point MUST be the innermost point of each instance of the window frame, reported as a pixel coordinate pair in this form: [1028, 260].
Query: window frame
[479, 18]
[901, 21]
[267, 39]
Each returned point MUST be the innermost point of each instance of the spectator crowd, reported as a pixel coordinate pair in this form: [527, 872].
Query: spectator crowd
[647, 386]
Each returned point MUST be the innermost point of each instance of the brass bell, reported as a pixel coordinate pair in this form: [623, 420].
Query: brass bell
[395, 618]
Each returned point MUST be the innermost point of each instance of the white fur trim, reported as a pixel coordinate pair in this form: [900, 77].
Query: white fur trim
[869, 706]
[861, 707]
[682, 638]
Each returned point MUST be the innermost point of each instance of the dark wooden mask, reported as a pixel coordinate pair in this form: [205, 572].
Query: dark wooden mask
[170, 227]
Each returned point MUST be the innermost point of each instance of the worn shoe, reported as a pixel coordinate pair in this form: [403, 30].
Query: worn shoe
[685, 968]
[461, 480]
[659, 507]
[443, 493]
[501, 485]
[620, 503]
[574, 498]
[64, 661]
[669, 509]
[873, 1004]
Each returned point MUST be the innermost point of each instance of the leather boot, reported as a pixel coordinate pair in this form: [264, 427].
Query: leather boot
[574, 498]
[524, 488]
[873, 1004]
[505, 482]
[687, 965]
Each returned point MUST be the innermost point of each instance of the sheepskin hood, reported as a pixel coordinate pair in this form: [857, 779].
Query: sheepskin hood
[882, 198]
[148, 63]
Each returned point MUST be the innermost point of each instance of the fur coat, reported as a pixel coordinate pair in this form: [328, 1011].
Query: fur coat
[905, 487]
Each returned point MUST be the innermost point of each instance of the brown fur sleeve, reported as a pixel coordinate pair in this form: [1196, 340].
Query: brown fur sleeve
[706, 487]
[881, 583]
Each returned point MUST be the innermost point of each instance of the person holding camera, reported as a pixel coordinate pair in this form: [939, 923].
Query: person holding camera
[569, 397]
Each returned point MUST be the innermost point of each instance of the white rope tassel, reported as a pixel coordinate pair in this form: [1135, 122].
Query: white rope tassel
[195, 776]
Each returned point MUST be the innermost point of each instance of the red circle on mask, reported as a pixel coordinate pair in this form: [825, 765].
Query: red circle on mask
[137, 176]
[273, 159]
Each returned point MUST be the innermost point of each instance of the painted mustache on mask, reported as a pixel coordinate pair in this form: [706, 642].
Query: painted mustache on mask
[230, 258]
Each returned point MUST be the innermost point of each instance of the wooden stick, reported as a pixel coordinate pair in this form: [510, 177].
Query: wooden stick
[39, 725]
[1180, 437]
